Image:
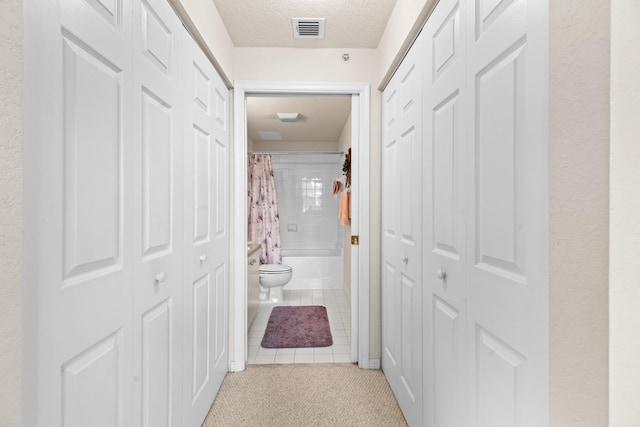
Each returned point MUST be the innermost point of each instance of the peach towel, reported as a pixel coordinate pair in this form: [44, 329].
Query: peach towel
[344, 213]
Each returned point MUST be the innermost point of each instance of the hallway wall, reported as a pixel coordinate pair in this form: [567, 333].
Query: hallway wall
[404, 24]
[624, 292]
[11, 82]
[579, 83]
[205, 25]
[282, 64]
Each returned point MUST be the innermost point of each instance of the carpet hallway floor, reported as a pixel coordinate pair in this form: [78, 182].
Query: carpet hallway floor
[335, 394]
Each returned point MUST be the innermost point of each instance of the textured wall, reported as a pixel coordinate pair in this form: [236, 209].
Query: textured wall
[282, 64]
[579, 212]
[11, 78]
[624, 279]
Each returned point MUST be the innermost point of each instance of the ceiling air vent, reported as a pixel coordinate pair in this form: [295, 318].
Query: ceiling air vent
[308, 28]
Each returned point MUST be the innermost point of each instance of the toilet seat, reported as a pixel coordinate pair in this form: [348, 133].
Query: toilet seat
[274, 269]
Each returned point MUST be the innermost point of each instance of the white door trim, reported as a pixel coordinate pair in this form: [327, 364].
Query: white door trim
[360, 208]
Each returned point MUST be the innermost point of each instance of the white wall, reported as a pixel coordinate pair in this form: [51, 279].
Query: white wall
[282, 64]
[205, 24]
[11, 78]
[624, 265]
[404, 24]
[579, 212]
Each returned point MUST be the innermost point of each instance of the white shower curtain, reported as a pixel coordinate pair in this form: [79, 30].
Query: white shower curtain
[264, 220]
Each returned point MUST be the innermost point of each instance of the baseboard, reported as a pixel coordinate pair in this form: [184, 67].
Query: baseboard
[374, 363]
[236, 367]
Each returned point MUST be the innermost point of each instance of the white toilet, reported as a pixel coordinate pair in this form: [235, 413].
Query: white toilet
[272, 278]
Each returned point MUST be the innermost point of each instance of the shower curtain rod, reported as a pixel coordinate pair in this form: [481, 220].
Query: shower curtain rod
[297, 152]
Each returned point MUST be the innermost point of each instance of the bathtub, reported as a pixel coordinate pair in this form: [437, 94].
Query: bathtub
[314, 268]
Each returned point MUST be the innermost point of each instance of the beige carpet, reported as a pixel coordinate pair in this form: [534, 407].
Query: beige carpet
[335, 394]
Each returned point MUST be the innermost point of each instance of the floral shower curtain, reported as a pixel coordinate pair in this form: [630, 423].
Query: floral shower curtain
[264, 221]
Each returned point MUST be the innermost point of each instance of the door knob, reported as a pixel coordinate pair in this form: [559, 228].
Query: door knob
[405, 259]
[442, 275]
[160, 277]
[203, 258]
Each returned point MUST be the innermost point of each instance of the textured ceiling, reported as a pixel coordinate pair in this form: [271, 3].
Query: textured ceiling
[322, 118]
[267, 23]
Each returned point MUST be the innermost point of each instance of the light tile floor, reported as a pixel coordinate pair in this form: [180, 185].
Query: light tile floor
[339, 314]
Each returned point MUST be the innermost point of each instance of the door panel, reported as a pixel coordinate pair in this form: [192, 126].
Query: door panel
[158, 248]
[444, 216]
[93, 225]
[402, 237]
[507, 193]
[79, 258]
[82, 400]
[157, 365]
[157, 160]
[206, 136]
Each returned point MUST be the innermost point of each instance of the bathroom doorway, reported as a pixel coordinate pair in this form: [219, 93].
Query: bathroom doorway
[354, 306]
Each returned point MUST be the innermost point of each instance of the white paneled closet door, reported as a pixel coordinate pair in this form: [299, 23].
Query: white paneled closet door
[507, 75]
[124, 231]
[484, 216]
[158, 242]
[79, 217]
[206, 151]
[445, 99]
[402, 235]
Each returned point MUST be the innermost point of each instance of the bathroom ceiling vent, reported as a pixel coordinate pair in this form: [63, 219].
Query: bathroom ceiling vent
[308, 28]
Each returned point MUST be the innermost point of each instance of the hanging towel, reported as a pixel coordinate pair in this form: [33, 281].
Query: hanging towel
[337, 185]
[344, 213]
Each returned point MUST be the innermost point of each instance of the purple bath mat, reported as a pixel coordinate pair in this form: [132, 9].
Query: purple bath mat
[297, 326]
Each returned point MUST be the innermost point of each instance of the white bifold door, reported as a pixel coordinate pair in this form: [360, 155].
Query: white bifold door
[158, 215]
[402, 235]
[206, 219]
[483, 193]
[126, 217]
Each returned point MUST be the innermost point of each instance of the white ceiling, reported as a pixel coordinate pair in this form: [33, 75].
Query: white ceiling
[322, 118]
[267, 23]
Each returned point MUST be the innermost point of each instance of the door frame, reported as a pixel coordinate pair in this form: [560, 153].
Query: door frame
[360, 207]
